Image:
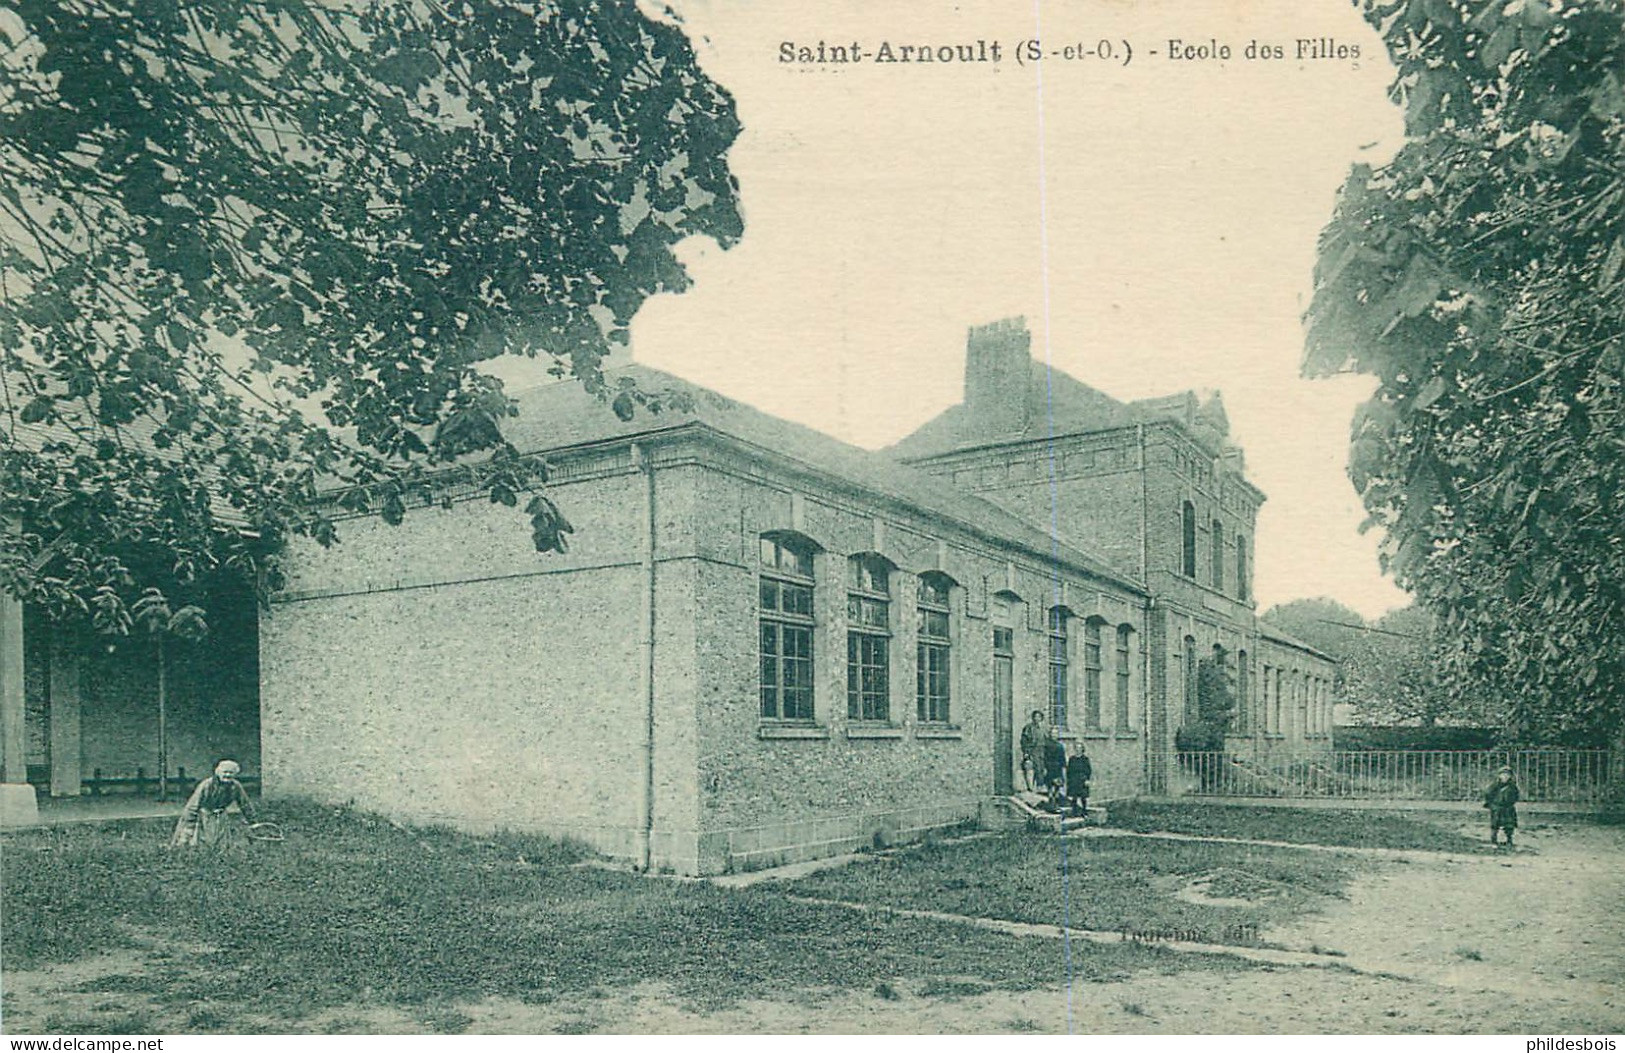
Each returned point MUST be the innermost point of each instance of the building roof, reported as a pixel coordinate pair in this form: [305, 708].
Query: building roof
[1270, 631]
[1057, 404]
[1012, 398]
[555, 417]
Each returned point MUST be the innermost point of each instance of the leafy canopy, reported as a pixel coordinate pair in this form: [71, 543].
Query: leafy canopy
[254, 248]
[1480, 276]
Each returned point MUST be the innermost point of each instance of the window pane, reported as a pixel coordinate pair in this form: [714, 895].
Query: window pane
[770, 594]
[796, 599]
[873, 613]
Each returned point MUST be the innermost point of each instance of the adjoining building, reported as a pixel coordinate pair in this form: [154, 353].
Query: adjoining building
[766, 644]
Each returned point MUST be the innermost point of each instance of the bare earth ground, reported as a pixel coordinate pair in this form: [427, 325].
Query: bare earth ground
[1528, 943]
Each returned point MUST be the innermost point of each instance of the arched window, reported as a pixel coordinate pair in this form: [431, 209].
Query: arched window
[1125, 636]
[785, 617]
[1218, 555]
[1242, 586]
[868, 638]
[1187, 539]
[1091, 673]
[1058, 665]
[933, 651]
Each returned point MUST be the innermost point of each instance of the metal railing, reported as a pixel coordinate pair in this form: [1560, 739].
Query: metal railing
[1543, 775]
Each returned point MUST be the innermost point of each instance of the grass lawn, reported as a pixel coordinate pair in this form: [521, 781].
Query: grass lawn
[1355, 828]
[353, 912]
[1095, 883]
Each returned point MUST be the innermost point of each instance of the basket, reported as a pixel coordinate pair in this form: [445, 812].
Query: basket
[265, 832]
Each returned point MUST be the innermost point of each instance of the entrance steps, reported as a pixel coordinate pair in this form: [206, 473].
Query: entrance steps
[1023, 810]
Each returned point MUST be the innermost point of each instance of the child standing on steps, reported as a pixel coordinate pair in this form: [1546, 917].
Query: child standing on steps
[1501, 799]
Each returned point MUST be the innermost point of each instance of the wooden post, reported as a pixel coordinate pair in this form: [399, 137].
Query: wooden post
[13, 754]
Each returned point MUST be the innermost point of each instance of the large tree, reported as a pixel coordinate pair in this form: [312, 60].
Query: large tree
[254, 249]
[1480, 276]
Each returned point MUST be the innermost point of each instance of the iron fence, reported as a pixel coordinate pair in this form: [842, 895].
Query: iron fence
[1543, 775]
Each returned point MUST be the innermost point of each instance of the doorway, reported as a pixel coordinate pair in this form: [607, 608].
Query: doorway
[1003, 711]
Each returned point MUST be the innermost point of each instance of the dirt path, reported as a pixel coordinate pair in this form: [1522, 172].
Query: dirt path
[1547, 922]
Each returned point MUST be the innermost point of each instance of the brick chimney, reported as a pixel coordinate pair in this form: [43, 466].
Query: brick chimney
[997, 364]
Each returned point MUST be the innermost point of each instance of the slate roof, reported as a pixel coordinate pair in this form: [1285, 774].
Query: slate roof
[1057, 404]
[1279, 635]
[1060, 404]
[554, 417]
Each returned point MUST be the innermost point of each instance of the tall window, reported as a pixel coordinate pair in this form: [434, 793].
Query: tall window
[1279, 711]
[1218, 555]
[1190, 680]
[1243, 684]
[1265, 699]
[931, 693]
[1091, 673]
[1241, 567]
[1124, 633]
[1187, 539]
[868, 638]
[1057, 666]
[786, 620]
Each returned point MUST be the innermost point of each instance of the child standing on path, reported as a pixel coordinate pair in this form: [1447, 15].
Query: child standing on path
[1501, 799]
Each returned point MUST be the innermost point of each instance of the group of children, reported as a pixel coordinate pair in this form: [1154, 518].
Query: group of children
[1063, 780]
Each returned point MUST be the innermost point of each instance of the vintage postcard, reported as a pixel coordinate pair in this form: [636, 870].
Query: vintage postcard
[910, 578]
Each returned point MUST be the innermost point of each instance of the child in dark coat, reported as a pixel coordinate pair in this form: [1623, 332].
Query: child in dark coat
[1054, 771]
[1501, 799]
[1078, 773]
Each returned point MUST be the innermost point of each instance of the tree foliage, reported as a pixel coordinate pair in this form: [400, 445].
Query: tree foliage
[1215, 706]
[1480, 276]
[256, 249]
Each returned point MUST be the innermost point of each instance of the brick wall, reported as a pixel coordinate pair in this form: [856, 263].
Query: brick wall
[443, 671]
[773, 792]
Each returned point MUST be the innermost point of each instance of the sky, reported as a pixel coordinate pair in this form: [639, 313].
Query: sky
[1155, 222]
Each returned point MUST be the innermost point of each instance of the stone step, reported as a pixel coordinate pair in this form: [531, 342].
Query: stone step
[1021, 810]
